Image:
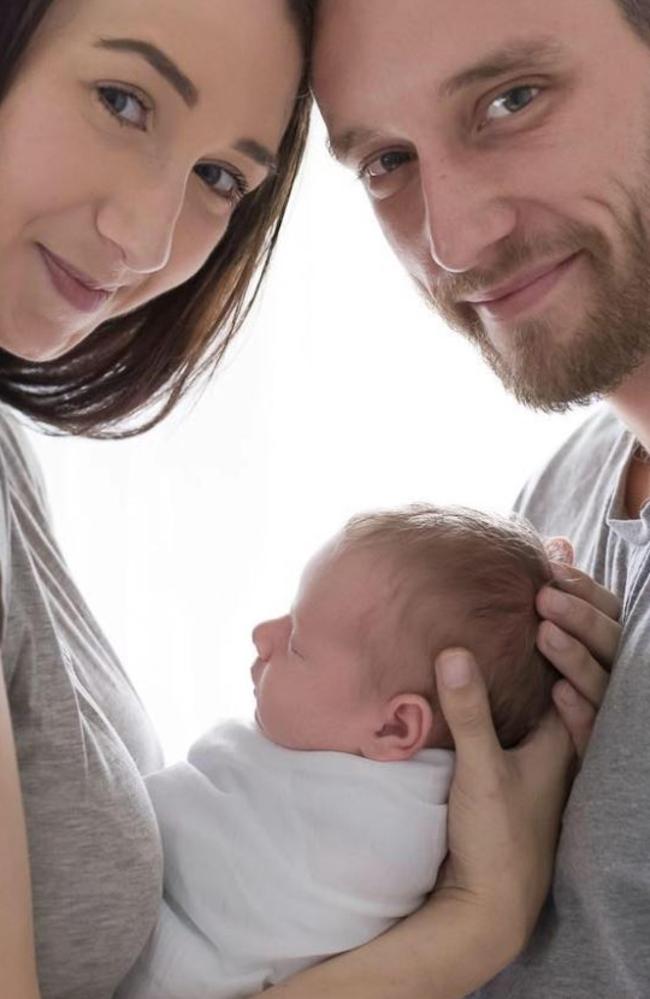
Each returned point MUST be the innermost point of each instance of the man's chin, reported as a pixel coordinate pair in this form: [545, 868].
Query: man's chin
[540, 399]
[544, 391]
[539, 379]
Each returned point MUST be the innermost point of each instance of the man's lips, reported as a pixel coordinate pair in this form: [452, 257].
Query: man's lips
[507, 301]
[517, 284]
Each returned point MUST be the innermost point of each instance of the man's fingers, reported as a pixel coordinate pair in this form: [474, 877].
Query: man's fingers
[598, 632]
[578, 583]
[551, 743]
[464, 703]
[574, 661]
[576, 713]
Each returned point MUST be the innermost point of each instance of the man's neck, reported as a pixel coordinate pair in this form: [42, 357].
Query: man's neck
[631, 403]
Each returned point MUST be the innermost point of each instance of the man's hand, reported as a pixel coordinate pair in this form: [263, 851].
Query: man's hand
[580, 635]
[504, 806]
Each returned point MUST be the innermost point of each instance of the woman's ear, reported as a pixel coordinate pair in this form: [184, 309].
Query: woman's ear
[404, 727]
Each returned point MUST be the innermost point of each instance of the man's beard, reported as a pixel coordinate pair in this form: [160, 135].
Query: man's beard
[542, 368]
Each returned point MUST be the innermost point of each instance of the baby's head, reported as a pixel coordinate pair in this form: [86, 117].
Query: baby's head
[351, 668]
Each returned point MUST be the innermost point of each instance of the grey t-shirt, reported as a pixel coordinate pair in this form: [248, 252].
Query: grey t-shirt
[83, 742]
[593, 940]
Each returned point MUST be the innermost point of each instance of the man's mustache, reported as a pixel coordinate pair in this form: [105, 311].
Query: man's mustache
[449, 292]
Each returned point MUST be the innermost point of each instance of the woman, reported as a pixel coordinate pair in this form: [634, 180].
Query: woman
[143, 146]
[147, 151]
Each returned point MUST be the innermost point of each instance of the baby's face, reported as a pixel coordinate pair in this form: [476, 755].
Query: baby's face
[311, 678]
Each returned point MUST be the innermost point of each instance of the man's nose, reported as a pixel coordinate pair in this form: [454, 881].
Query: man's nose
[464, 217]
[140, 217]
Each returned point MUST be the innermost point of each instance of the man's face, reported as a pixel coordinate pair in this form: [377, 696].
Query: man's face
[311, 679]
[505, 145]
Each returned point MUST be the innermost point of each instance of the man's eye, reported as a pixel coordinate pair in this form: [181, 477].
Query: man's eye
[384, 164]
[512, 102]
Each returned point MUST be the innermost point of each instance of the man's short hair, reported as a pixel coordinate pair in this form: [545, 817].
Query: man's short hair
[637, 12]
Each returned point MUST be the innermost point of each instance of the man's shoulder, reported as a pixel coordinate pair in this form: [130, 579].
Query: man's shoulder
[579, 475]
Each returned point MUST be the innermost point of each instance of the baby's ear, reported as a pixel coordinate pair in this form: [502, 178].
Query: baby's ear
[404, 727]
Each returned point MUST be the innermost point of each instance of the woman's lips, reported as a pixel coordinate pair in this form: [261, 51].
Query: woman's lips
[532, 294]
[78, 295]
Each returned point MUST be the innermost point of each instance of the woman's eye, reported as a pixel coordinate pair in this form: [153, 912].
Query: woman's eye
[385, 164]
[513, 101]
[227, 183]
[125, 106]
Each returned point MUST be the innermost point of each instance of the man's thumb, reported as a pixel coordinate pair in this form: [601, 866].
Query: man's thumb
[464, 703]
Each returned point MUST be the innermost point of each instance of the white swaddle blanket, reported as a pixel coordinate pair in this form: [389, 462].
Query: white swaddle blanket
[276, 859]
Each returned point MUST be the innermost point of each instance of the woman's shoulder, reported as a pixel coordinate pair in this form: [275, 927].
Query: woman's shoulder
[20, 470]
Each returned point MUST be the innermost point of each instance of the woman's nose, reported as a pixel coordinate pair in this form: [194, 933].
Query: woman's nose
[141, 220]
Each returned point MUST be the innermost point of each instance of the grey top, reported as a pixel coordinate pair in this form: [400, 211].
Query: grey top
[83, 743]
[593, 941]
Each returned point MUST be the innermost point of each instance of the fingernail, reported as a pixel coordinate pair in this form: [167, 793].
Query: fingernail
[560, 550]
[455, 670]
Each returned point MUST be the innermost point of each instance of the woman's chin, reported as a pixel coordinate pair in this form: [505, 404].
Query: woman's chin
[39, 342]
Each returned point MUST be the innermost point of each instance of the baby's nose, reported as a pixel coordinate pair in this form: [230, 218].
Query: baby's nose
[262, 639]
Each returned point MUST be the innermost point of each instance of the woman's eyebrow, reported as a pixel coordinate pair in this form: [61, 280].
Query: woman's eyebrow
[187, 90]
[258, 153]
[160, 61]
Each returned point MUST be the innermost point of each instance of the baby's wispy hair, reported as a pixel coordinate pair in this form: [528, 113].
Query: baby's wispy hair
[461, 577]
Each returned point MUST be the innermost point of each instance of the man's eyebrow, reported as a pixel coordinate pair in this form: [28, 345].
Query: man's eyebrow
[514, 55]
[340, 146]
[160, 62]
[258, 153]
[509, 58]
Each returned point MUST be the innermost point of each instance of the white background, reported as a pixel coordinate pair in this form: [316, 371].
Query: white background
[344, 392]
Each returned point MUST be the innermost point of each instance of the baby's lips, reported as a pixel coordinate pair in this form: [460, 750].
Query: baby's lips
[256, 670]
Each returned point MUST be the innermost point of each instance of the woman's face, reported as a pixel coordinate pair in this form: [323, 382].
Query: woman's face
[133, 129]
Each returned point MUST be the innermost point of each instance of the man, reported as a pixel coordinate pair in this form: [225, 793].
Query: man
[505, 145]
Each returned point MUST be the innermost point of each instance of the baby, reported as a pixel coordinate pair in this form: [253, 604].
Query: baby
[314, 829]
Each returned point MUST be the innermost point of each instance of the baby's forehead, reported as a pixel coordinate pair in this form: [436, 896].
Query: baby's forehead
[389, 587]
[352, 582]
[374, 567]
[402, 591]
